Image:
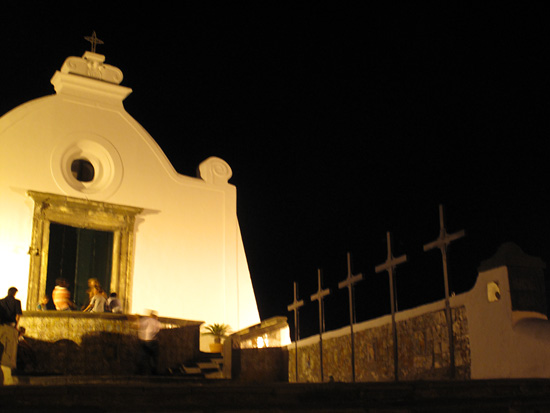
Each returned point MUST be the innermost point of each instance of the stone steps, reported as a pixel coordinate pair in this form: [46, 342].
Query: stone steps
[208, 367]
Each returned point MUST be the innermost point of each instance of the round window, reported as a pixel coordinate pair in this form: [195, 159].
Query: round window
[83, 170]
[86, 163]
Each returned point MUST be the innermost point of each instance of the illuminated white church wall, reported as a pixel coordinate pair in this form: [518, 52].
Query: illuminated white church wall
[189, 260]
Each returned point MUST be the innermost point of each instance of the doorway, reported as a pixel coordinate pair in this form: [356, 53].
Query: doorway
[77, 254]
[88, 239]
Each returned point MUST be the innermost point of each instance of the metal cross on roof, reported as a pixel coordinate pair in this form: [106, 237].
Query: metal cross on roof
[348, 283]
[389, 266]
[94, 40]
[319, 295]
[442, 243]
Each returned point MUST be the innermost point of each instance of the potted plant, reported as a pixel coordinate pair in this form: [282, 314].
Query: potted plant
[219, 331]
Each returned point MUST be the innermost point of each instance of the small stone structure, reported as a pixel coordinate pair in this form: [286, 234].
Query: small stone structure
[500, 330]
[258, 353]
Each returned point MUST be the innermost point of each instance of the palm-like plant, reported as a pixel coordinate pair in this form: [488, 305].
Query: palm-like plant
[219, 331]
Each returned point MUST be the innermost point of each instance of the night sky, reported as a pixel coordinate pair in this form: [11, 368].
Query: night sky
[340, 122]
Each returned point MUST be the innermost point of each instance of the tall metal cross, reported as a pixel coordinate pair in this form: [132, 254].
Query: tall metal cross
[389, 266]
[319, 295]
[296, 304]
[442, 243]
[348, 283]
[94, 40]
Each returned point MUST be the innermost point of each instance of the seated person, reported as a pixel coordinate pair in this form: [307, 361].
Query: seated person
[97, 303]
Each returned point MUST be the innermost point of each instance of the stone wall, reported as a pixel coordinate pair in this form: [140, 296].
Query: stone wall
[423, 351]
[244, 360]
[77, 343]
[260, 364]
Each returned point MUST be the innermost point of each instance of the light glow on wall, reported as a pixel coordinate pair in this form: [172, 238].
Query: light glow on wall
[285, 336]
[15, 266]
[262, 341]
[279, 338]
[265, 336]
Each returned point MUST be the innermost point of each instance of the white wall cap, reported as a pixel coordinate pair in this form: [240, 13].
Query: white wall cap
[89, 77]
[91, 65]
[86, 87]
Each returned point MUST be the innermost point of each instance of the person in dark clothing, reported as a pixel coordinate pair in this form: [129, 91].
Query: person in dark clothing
[10, 309]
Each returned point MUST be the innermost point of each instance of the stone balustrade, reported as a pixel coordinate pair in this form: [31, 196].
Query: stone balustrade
[76, 343]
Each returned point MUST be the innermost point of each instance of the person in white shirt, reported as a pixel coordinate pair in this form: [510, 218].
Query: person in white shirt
[148, 329]
[114, 304]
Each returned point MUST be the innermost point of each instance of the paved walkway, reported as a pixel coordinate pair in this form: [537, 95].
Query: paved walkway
[169, 394]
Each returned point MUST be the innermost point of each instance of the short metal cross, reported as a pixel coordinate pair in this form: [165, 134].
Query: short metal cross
[296, 304]
[442, 243]
[389, 266]
[319, 295]
[348, 283]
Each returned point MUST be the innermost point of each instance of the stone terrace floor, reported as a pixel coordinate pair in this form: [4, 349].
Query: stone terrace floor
[168, 394]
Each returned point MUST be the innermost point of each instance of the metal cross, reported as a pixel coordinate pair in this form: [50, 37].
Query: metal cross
[319, 296]
[94, 40]
[348, 283]
[296, 304]
[389, 266]
[442, 243]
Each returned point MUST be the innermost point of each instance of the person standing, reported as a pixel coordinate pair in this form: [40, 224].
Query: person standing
[61, 296]
[10, 309]
[148, 329]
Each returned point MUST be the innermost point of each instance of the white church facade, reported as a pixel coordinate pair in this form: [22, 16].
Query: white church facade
[86, 192]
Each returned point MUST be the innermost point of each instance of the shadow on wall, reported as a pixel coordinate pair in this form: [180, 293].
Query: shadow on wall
[256, 364]
[103, 353]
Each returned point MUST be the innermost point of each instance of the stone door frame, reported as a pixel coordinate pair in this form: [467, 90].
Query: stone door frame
[82, 213]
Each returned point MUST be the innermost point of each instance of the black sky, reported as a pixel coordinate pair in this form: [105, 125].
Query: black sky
[340, 122]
